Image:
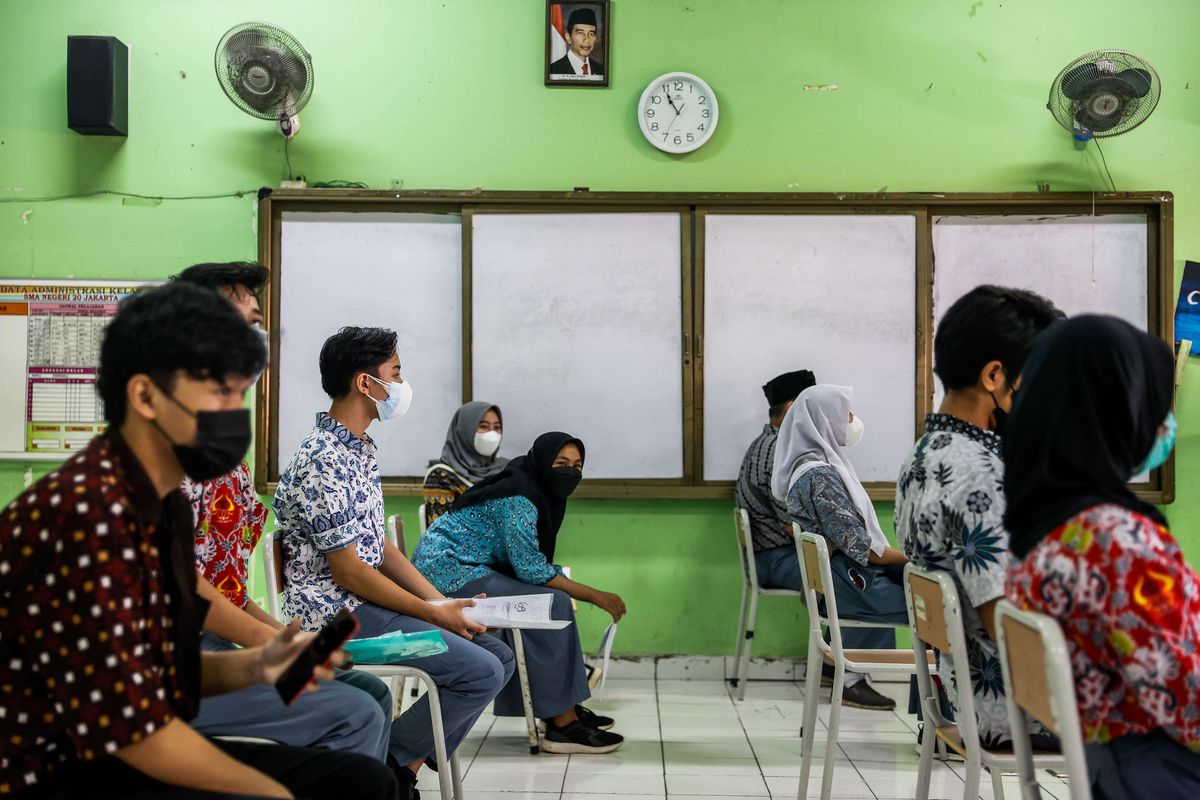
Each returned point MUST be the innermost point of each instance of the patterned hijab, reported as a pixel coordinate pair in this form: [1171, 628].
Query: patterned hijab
[812, 435]
[1093, 393]
[459, 452]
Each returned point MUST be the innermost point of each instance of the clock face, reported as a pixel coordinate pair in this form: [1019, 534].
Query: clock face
[677, 112]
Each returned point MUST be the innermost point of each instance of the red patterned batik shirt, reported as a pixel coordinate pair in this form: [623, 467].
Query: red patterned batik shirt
[229, 522]
[1129, 607]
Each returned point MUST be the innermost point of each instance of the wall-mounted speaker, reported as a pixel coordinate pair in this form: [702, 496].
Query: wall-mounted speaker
[97, 85]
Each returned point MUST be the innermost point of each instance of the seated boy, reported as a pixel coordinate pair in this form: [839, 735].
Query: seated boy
[99, 617]
[329, 507]
[950, 495]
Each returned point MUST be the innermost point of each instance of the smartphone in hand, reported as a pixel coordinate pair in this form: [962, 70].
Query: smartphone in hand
[293, 680]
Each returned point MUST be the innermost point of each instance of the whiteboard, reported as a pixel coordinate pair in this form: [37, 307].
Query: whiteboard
[1085, 264]
[395, 270]
[834, 294]
[577, 326]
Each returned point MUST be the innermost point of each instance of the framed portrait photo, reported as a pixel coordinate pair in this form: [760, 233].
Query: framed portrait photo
[577, 37]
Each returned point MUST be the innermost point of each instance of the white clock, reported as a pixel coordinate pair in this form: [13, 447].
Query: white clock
[677, 112]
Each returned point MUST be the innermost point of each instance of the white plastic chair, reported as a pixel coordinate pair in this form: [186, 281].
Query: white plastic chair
[421, 518]
[449, 779]
[935, 614]
[817, 578]
[751, 591]
[1039, 684]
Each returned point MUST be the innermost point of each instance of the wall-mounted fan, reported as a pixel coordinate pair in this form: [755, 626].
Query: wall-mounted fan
[1104, 93]
[266, 73]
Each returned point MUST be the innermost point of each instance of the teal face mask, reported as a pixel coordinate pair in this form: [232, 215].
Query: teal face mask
[1163, 443]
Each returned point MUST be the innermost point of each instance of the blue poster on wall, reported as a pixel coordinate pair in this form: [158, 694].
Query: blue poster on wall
[1187, 310]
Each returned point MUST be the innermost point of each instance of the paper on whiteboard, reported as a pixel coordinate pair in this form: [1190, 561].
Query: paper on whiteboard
[604, 653]
[524, 611]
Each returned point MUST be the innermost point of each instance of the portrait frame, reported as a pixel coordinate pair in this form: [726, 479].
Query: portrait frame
[560, 69]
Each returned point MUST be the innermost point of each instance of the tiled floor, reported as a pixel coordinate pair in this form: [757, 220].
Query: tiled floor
[689, 739]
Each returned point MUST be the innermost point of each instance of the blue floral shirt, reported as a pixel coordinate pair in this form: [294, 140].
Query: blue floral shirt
[329, 498]
[495, 536]
[950, 516]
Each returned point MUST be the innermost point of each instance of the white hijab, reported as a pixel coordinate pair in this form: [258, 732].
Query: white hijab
[813, 434]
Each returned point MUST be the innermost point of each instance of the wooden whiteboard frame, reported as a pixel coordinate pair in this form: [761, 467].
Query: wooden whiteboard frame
[1158, 208]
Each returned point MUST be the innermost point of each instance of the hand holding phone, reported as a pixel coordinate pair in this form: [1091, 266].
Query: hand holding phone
[312, 656]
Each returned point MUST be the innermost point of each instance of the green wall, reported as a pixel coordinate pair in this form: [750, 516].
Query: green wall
[933, 96]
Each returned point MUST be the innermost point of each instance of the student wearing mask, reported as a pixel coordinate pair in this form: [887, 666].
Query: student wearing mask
[949, 497]
[499, 540]
[824, 496]
[1094, 410]
[352, 713]
[102, 664]
[468, 456]
[329, 507]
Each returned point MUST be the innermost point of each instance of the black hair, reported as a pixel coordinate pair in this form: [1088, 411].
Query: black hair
[161, 331]
[226, 275]
[351, 351]
[778, 409]
[989, 323]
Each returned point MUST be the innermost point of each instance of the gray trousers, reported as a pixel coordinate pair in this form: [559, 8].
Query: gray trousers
[1143, 766]
[553, 659]
[468, 676]
[349, 713]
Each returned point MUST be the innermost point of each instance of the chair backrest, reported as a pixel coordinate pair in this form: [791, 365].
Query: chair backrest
[395, 532]
[1039, 684]
[817, 579]
[272, 555]
[422, 518]
[741, 527]
[936, 618]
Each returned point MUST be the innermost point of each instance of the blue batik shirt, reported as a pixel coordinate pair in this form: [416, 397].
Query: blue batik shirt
[329, 498]
[950, 516]
[494, 536]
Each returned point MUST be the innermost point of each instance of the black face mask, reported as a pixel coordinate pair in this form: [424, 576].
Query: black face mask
[563, 480]
[222, 438]
[999, 414]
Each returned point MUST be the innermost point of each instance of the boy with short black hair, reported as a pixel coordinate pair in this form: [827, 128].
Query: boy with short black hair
[950, 495]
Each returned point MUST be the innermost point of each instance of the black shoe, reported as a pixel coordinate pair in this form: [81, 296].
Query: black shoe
[863, 695]
[405, 779]
[594, 720]
[826, 675]
[576, 737]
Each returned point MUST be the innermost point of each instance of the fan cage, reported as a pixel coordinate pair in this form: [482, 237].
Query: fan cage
[273, 52]
[1136, 110]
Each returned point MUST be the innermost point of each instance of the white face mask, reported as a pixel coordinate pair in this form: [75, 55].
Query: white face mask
[854, 431]
[487, 442]
[398, 400]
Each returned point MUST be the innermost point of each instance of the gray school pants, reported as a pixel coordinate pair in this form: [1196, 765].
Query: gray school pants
[349, 713]
[1143, 766]
[553, 659]
[468, 676]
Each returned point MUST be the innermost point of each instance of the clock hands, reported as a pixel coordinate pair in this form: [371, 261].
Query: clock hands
[678, 110]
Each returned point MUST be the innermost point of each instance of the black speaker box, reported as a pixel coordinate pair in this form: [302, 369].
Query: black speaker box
[97, 85]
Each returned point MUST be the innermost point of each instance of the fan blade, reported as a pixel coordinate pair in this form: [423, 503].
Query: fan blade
[1138, 79]
[1075, 81]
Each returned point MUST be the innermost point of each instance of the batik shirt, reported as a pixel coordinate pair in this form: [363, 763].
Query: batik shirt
[229, 522]
[441, 488]
[1129, 607]
[949, 516]
[770, 526]
[819, 503]
[495, 536]
[329, 498]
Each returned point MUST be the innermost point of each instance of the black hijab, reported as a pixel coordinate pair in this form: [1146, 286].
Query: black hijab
[528, 476]
[1093, 393]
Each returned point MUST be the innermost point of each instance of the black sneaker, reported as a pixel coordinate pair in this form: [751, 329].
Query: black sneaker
[863, 695]
[578, 738]
[405, 779]
[594, 720]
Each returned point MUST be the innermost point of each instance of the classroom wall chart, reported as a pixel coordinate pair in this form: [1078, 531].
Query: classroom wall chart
[50, 334]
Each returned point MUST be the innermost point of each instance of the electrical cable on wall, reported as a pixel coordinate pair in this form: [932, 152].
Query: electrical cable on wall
[111, 192]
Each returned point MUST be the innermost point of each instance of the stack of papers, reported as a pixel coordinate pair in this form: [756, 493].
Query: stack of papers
[522, 611]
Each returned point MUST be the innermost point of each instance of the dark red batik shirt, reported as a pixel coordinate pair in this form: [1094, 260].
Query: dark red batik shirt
[99, 621]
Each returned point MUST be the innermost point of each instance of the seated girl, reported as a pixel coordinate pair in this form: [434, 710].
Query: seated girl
[499, 540]
[468, 457]
[816, 480]
[1092, 412]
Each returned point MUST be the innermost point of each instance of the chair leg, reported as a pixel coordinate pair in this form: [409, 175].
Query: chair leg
[744, 664]
[526, 699]
[741, 638]
[456, 776]
[971, 778]
[925, 768]
[445, 770]
[997, 783]
[808, 733]
[835, 716]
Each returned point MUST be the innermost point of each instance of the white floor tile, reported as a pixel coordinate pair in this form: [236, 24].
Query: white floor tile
[524, 780]
[749, 785]
[847, 784]
[600, 796]
[697, 751]
[542, 763]
[900, 780]
[714, 766]
[618, 783]
[634, 758]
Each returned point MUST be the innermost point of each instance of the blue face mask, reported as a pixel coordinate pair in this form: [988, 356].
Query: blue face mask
[1163, 444]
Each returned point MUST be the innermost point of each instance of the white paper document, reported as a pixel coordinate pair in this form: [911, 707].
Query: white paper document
[523, 611]
[605, 652]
